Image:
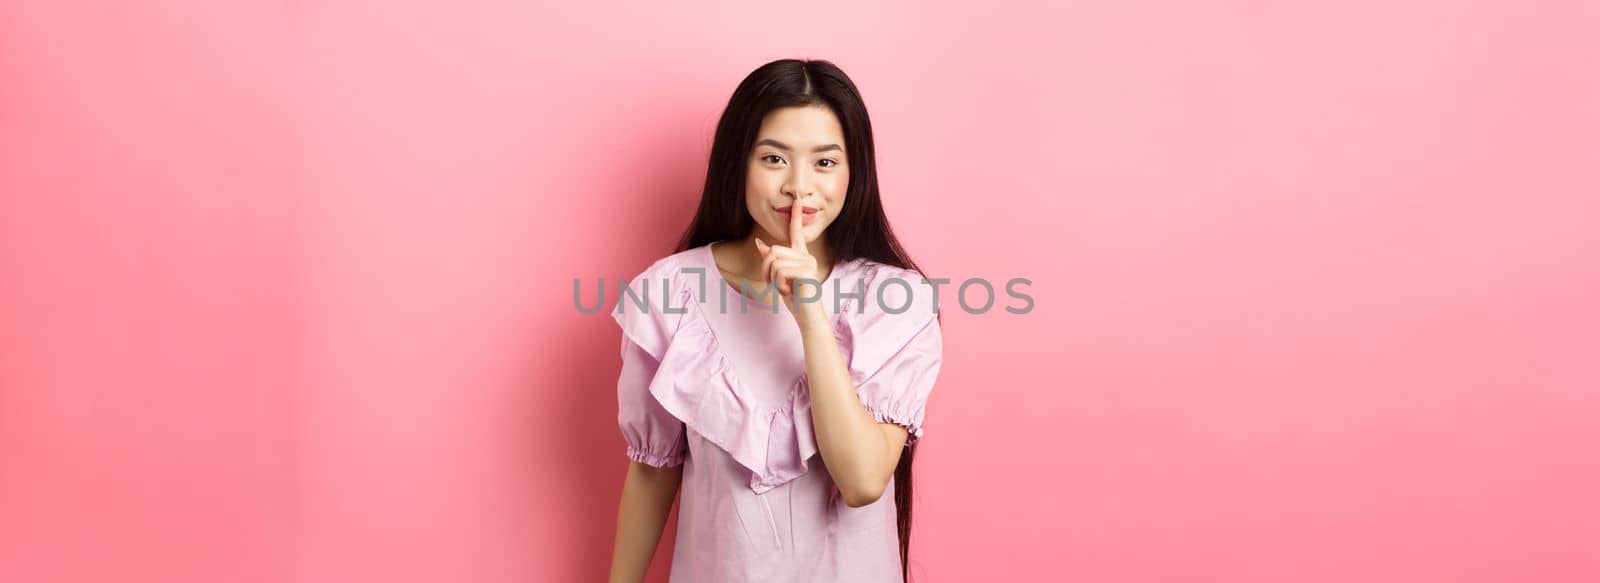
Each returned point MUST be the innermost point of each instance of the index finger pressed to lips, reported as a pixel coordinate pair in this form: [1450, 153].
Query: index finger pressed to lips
[797, 216]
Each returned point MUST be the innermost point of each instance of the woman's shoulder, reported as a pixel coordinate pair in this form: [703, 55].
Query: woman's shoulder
[888, 297]
[878, 271]
[892, 281]
[653, 303]
[895, 307]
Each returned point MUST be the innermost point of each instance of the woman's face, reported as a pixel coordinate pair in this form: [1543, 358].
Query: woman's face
[799, 152]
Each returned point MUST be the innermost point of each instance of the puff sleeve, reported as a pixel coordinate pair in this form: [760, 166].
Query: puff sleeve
[896, 348]
[653, 435]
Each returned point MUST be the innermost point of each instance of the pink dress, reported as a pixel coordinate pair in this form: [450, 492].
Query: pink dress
[725, 394]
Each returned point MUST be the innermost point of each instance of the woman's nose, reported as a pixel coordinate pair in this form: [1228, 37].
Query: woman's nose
[799, 189]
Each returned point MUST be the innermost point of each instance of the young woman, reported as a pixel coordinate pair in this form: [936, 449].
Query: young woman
[777, 365]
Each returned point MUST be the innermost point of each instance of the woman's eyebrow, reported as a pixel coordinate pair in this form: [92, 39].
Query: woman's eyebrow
[785, 147]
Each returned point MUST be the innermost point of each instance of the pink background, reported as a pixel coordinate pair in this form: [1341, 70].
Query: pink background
[287, 287]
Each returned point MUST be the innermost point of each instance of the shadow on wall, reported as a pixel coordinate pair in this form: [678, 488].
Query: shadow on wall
[592, 462]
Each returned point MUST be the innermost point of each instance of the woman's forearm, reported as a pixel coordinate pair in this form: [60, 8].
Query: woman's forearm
[647, 495]
[859, 452]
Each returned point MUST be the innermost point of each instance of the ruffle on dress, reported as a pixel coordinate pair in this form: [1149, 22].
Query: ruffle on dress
[679, 371]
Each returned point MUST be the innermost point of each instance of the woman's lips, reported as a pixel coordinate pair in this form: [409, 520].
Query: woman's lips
[807, 215]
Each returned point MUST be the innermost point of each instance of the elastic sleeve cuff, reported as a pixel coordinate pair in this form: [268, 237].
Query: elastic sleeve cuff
[910, 422]
[655, 459]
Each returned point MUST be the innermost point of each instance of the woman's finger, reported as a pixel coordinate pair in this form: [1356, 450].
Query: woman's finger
[787, 271]
[790, 269]
[797, 235]
[770, 268]
[766, 266]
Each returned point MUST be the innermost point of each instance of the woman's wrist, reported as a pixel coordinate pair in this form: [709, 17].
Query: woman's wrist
[812, 316]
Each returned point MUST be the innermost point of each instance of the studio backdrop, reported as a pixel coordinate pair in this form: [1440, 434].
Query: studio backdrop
[286, 288]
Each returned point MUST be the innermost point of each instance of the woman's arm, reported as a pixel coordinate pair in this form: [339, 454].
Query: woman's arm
[860, 452]
[647, 495]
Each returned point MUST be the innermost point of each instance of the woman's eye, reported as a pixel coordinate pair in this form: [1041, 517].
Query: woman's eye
[773, 158]
[830, 162]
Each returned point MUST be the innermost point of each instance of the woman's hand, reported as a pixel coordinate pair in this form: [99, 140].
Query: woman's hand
[792, 268]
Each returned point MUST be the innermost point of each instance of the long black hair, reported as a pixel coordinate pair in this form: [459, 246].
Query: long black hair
[859, 230]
